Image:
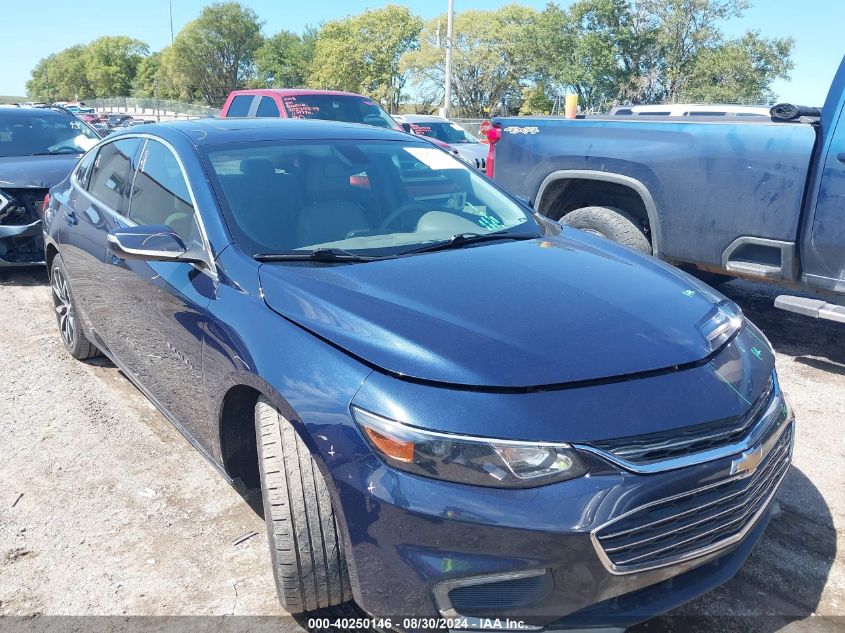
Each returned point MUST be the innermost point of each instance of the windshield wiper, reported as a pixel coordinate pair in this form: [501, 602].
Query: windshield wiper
[317, 255]
[463, 239]
[57, 153]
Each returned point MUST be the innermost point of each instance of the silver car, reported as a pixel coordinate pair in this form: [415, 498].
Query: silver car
[465, 144]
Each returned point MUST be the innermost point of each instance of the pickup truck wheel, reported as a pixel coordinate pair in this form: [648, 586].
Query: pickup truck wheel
[305, 546]
[70, 327]
[611, 223]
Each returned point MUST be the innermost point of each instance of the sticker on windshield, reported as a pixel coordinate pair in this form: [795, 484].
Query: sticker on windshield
[433, 158]
[490, 223]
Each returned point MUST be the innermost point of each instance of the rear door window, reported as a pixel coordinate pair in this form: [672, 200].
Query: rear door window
[111, 173]
[240, 105]
[267, 108]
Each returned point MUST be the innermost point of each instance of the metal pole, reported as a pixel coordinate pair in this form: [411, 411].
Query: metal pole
[447, 96]
[170, 11]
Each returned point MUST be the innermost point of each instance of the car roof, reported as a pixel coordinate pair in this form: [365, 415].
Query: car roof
[419, 118]
[293, 92]
[33, 111]
[214, 131]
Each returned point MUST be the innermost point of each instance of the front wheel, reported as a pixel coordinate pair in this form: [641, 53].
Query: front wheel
[308, 562]
[70, 327]
[611, 223]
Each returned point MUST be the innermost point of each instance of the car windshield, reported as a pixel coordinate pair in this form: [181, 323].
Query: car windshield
[346, 108]
[450, 133]
[33, 135]
[367, 198]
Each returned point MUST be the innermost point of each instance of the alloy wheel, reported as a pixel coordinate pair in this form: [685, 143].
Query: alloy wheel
[64, 308]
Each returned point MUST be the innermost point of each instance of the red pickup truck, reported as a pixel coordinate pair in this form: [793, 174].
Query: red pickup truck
[303, 103]
[307, 104]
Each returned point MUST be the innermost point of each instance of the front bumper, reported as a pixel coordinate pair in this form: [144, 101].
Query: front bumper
[21, 241]
[411, 541]
[21, 245]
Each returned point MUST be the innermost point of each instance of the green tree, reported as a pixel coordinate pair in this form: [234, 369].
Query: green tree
[111, 63]
[282, 60]
[489, 57]
[535, 100]
[362, 53]
[616, 51]
[595, 48]
[61, 77]
[685, 29]
[739, 71]
[145, 83]
[214, 54]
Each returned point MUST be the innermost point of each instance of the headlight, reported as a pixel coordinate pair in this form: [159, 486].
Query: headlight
[719, 328]
[468, 460]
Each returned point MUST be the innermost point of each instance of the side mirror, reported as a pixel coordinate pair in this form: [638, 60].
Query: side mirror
[406, 127]
[158, 243]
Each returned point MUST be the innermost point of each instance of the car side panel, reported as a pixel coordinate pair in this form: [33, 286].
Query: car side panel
[711, 182]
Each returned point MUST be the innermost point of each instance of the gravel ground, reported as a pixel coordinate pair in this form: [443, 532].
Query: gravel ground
[106, 510]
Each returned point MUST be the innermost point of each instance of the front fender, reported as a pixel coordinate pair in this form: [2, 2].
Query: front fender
[310, 382]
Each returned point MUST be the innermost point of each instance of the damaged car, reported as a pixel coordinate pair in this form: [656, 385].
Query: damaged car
[452, 408]
[38, 148]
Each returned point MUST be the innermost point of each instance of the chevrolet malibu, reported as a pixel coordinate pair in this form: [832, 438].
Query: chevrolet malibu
[450, 406]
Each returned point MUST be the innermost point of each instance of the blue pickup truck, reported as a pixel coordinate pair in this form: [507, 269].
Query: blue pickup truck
[753, 197]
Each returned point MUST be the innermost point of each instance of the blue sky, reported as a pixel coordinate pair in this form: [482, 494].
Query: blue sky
[816, 26]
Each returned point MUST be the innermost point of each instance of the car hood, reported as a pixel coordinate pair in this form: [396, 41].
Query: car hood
[472, 151]
[541, 312]
[36, 172]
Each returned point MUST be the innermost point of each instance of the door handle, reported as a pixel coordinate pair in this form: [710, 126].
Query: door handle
[841, 157]
[70, 217]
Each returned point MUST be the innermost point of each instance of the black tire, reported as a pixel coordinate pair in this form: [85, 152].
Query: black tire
[611, 223]
[305, 546]
[70, 327]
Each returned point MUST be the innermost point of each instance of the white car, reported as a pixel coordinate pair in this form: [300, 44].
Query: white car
[691, 109]
[467, 146]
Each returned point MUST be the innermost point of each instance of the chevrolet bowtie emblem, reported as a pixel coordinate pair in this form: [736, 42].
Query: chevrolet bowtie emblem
[747, 462]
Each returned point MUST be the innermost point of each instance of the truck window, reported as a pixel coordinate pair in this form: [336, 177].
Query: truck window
[240, 105]
[267, 108]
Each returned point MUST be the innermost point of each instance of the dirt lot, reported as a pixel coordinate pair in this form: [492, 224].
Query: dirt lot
[106, 510]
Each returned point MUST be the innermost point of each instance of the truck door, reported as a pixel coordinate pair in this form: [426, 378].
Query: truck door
[823, 239]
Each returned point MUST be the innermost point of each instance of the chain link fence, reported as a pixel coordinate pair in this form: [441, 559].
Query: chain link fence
[472, 126]
[157, 108]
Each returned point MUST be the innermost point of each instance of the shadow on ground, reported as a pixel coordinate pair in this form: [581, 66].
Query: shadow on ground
[814, 342]
[29, 276]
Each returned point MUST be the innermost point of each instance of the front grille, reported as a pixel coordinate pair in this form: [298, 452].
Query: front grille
[505, 594]
[657, 447]
[691, 524]
[481, 163]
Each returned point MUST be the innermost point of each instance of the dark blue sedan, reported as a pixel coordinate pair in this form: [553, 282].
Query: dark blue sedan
[450, 406]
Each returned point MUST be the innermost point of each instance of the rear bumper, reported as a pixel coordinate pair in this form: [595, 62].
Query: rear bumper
[411, 541]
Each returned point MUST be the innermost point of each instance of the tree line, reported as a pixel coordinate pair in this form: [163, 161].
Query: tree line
[514, 58]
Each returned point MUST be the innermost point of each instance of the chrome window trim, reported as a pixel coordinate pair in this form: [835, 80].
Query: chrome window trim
[772, 410]
[703, 551]
[211, 266]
